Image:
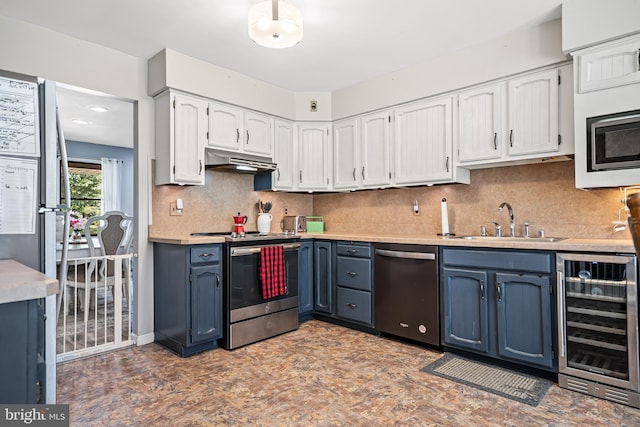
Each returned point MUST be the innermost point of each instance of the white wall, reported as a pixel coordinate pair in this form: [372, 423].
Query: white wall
[588, 22]
[169, 68]
[33, 50]
[519, 51]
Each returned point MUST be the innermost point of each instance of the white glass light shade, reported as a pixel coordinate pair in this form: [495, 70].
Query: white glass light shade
[285, 31]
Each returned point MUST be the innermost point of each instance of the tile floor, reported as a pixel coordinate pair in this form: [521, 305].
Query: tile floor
[320, 375]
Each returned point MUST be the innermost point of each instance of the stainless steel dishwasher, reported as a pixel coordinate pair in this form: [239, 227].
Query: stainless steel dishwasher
[406, 292]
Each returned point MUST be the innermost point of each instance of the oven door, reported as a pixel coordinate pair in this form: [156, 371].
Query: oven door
[613, 141]
[244, 284]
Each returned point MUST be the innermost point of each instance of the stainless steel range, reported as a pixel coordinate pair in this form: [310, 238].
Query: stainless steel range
[247, 316]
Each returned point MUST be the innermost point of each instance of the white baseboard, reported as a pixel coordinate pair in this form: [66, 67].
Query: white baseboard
[143, 339]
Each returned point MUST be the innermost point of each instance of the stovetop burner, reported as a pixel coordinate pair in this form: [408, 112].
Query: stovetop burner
[248, 236]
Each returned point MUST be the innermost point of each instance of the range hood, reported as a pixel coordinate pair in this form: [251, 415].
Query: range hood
[237, 162]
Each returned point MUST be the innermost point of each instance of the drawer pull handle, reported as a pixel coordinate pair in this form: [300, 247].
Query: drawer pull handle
[352, 273]
[352, 251]
[205, 255]
[404, 325]
[352, 306]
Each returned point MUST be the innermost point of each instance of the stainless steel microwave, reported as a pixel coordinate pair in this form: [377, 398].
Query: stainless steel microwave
[613, 141]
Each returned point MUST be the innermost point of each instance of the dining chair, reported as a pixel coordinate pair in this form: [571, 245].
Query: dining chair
[115, 237]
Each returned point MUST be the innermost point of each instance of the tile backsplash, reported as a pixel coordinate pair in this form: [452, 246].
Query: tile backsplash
[544, 195]
[211, 207]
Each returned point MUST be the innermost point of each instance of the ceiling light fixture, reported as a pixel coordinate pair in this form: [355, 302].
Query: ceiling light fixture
[275, 24]
[98, 108]
[79, 122]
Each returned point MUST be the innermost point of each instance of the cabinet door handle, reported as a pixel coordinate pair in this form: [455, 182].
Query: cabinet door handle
[482, 289]
[237, 135]
[446, 164]
[352, 273]
[278, 171]
[511, 138]
[495, 141]
[352, 306]
[638, 59]
[499, 291]
[200, 171]
[300, 175]
[217, 280]
[363, 172]
[247, 137]
[354, 174]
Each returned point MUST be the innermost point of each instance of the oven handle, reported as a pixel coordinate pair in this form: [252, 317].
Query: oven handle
[256, 249]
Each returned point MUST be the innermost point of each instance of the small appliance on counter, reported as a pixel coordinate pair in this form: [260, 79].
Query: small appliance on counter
[238, 224]
[294, 224]
[315, 224]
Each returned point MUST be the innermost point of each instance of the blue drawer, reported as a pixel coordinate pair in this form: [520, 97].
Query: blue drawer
[354, 273]
[358, 249]
[534, 262]
[354, 305]
[205, 254]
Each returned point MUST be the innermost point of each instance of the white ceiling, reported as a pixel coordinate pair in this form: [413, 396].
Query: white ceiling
[345, 41]
[112, 127]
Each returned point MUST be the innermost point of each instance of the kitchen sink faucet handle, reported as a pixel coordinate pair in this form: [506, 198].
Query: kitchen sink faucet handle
[498, 229]
[526, 229]
[483, 230]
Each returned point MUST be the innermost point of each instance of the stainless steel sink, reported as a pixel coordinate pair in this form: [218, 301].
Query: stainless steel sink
[512, 239]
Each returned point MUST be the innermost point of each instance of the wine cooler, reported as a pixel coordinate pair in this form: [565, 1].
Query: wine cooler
[598, 326]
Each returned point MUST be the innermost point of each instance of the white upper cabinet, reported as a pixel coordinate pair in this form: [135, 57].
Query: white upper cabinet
[609, 65]
[314, 156]
[258, 130]
[225, 127]
[480, 132]
[375, 152]
[284, 155]
[236, 130]
[522, 119]
[423, 142]
[533, 113]
[346, 161]
[181, 133]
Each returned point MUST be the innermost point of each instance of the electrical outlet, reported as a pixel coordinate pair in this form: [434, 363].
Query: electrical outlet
[416, 208]
[286, 211]
[174, 211]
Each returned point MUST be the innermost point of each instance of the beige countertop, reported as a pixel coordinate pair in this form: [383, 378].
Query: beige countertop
[20, 283]
[565, 245]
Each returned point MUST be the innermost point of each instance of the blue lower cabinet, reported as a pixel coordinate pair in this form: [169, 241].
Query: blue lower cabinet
[323, 272]
[499, 304]
[22, 346]
[305, 278]
[354, 305]
[466, 308]
[187, 296]
[524, 318]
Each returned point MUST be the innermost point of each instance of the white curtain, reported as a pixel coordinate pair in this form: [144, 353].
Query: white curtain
[111, 184]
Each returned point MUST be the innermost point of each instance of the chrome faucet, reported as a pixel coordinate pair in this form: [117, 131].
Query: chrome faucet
[512, 221]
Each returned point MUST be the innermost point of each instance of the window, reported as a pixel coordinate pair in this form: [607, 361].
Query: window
[85, 180]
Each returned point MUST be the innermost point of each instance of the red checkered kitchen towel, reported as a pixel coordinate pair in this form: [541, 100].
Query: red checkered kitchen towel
[272, 273]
